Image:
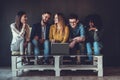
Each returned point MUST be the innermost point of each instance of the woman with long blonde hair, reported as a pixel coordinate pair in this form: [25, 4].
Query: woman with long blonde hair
[59, 32]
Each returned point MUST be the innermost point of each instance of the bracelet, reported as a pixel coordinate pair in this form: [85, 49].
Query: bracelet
[96, 29]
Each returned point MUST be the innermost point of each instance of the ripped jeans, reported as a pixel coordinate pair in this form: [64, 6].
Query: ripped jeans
[90, 51]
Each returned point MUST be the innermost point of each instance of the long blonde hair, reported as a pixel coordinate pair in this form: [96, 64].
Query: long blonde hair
[61, 22]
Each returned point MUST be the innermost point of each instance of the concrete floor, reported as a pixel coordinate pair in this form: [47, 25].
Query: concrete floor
[110, 73]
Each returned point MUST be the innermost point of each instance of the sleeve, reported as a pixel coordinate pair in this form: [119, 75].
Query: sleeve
[16, 32]
[98, 35]
[50, 33]
[82, 31]
[66, 35]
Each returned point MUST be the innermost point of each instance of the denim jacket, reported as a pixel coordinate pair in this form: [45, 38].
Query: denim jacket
[78, 31]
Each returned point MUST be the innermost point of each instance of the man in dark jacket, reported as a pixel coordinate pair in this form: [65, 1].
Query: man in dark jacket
[40, 35]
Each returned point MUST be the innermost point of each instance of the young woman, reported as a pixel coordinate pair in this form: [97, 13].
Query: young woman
[59, 32]
[93, 35]
[21, 34]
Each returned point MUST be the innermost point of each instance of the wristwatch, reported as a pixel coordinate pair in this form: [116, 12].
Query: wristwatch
[96, 29]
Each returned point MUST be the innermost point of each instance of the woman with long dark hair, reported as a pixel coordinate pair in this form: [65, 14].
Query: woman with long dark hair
[93, 35]
[21, 34]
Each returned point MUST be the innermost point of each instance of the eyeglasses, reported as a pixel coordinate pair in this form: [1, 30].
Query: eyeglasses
[72, 22]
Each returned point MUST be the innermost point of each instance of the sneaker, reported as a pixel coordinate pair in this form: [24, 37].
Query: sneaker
[45, 62]
[40, 61]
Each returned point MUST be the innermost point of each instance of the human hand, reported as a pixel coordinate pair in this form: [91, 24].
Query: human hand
[41, 40]
[92, 28]
[52, 41]
[24, 25]
[36, 37]
[72, 44]
[79, 39]
[25, 44]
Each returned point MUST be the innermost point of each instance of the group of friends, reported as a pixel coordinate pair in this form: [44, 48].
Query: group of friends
[43, 33]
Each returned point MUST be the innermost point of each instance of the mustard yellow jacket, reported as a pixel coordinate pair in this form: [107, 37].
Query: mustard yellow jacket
[59, 36]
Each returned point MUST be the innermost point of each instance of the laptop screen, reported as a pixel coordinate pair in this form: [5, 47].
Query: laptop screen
[59, 48]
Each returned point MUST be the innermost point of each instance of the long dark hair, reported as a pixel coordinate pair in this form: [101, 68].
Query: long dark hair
[96, 19]
[18, 20]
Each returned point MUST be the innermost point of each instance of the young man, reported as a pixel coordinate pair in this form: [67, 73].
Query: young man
[40, 35]
[77, 34]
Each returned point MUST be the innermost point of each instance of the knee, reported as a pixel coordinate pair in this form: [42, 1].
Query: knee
[29, 44]
[35, 42]
[96, 43]
[46, 43]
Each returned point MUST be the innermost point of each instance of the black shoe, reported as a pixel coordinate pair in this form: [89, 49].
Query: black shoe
[51, 61]
[30, 63]
[40, 61]
[45, 62]
[24, 61]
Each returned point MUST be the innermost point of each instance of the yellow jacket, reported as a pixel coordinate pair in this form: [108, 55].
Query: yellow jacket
[59, 36]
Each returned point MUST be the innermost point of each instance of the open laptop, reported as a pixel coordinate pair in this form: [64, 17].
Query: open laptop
[59, 48]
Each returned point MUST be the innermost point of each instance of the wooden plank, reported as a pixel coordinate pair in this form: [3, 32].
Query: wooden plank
[78, 67]
[37, 67]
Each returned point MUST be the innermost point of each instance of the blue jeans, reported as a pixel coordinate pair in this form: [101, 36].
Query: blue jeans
[18, 46]
[78, 46]
[29, 48]
[46, 48]
[89, 49]
[37, 47]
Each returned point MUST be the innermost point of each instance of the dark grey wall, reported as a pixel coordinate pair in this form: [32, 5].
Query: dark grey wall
[107, 9]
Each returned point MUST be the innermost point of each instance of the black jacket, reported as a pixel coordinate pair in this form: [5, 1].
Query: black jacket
[37, 30]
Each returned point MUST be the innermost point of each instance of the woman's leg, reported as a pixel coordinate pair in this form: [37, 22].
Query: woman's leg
[22, 47]
[89, 50]
[96, 48]
[29, 48]
[18, 46]
[15, 47]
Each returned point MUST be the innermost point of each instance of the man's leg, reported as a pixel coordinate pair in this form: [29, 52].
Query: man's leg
[36, 47]
[46, 49]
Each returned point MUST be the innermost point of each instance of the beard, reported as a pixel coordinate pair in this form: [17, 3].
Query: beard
[44, 21]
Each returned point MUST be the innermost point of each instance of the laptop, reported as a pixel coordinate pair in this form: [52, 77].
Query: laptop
[59, 48]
